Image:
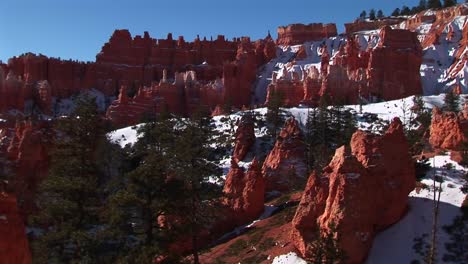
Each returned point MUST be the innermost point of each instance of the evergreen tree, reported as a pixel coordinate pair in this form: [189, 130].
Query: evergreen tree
[452, 102]
[326, 249]
[434, 4]
[363, 15]
[422, 5]
[420, 118]
[396, 12]
[326, 129]
[380, 14]
[372, 14]
[195, 163]
[449, 3]
[274, 116]
[405, 11]
[146, 193]
[69, 198]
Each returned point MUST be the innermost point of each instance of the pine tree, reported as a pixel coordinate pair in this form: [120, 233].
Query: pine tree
[146, 193]
[452, 102]
[449, 3]
[326, 128]
[405, 11]
[380, 14]
[419, 118]
[195, 163]
[363, 15]
[434, 4]
[422, 5]
[274, 116]
[69, 198]
[372, 14]
[396, 12]
[326, 249]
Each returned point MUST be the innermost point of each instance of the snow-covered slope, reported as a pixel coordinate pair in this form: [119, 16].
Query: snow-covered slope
[395, 244]
[435, 68]
[438, 59]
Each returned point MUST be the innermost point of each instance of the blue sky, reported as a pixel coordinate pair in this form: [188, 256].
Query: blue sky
[77, 29]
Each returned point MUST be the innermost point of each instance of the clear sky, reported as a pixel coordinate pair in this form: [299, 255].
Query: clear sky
[77, 29]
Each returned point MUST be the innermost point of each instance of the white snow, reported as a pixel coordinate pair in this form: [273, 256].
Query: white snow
[394, 245]
[290, 258]
[124, 136]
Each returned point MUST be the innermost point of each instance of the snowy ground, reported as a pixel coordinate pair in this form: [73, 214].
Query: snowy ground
[394, 245]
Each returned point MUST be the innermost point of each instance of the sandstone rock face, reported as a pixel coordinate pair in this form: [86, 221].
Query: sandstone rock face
[14, 246]
[447, 130]
[461, 56]
[187, 92]
[295, 34]
[28, 151]
[441, 19]
[389, 71]
[363, 190]
[359, 25]
[224, 70]
[245, 138]
[393, 70]
[285, 165]
[244, 193]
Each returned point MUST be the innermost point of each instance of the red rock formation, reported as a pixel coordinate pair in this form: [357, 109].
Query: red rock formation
[359, 25]
[361, 191]
[138, 62]
[44, 92]
[461, 56]
[28, 150]
[244, 193]
[245, 138]
[389, 71]
[393, 70]
[242, 203]
[447, 130]
[285, 165]
[442, 18]
[14, 246]
[301, 53]
[295, 34]
[183, 96]
[290, 90]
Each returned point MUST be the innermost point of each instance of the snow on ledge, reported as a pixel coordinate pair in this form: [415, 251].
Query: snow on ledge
[290, 258]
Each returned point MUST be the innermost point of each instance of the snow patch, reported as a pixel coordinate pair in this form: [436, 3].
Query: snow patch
[124, 136]
[290, 258]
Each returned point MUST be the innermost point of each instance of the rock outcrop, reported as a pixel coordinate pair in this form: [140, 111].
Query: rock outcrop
[245, 138]
[245, 192]
[393, 69]
[363, 25]
[447, 129]
[295, 34]
[362, 191]
[14, 246]
[223, 69]
[285, 166]
[28, 152]
[388, 71]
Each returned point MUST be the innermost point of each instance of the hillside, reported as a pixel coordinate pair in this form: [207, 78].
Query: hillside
[309, 147]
